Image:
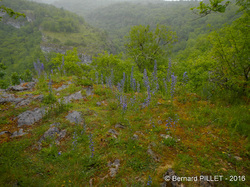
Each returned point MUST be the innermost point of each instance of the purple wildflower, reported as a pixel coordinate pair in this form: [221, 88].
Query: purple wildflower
[138, 86]
[173, 83]
[149, 181]
[185, 77]
[169, 69]
[102, 80]
[91, 145]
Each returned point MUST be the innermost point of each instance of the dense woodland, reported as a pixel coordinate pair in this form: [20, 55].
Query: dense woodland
[185, 63]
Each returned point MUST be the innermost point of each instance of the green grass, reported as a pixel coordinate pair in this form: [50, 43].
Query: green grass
[210, 134]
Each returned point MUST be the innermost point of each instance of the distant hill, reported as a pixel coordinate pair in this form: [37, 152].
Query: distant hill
[45, 29]
[116, 17]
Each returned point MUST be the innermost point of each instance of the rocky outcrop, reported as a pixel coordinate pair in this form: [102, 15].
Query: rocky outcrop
[74, 117]
[75, 96]
[18, 133]
[113, 167]
[30, 117]
[5, 98]
[52, 133]
[22, 87]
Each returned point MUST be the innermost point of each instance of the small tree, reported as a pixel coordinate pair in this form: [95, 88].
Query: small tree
[145, 46]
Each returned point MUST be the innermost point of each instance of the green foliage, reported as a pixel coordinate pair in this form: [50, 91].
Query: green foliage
[68, 62]
[118, 19]
[10, 12]
[42, 84]
[109, 65]
[15, 78]
[214, 6]
[60, 24]
[145, 46]
[27, 76]
[218, 6]
[49, 99]
[230, 52]
[84, 81]
[2, 68]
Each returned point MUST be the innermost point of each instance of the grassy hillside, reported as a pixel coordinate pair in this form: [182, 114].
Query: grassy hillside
[111, 144]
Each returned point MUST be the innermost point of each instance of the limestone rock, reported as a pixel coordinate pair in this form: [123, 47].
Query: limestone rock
[113, 167]
[18, 133]
[52, 133]
[74, 117]
[30, 117]
[153, 155]
[23, 103]
[135, 137]
[4, 132]
[75, 96]
[112, 131]
[5, 98]
[118, 125]
[22, 87]
[62, 88]
[38, 98]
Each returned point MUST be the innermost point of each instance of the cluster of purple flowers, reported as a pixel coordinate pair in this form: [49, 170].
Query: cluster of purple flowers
[173, 83]
[169, 69]
[109, 80]
[123, 102]
[39, 67]
[185, 77]
[91, 145]
[102, 80]
[138, 87]
[61, 68]
[121, 85]
[132, 80]
[149, 181]
[165, 85]
[132, 101]
[50, 85]
[146, 83]
[170, 123]
[155, 79]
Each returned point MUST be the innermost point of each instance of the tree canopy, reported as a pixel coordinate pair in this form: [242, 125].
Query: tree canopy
[145, 46]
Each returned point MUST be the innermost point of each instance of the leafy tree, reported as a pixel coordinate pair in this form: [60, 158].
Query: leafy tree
[231, 53]
[219, 6]
[2, 72]
[15, 78]
[10, 12]
[68, 62]
[145, 46]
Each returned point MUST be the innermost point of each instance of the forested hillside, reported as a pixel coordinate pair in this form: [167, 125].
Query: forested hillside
[44, 29]
[118, 18]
